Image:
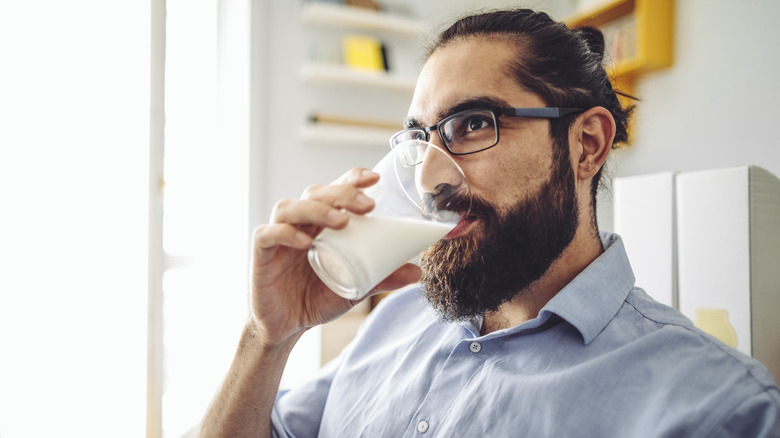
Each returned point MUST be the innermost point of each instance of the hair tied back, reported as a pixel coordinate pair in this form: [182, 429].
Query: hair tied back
[594, 40]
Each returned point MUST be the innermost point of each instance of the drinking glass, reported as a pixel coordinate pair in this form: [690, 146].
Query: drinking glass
[421, 195]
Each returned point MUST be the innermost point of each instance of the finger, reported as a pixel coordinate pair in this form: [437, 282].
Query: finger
[358, 177]
[405, 275]
[272, 235]
[269, 237]
[308, 212]
[342, 196]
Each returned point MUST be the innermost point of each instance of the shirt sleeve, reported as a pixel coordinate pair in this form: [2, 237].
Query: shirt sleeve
[758, 416]
[298, 412]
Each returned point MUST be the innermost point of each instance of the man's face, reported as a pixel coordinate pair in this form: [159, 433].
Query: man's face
[524, 209]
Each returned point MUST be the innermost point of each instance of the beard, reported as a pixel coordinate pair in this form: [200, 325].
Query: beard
[473, 275]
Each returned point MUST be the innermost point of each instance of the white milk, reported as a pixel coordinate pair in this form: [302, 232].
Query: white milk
[353, 260]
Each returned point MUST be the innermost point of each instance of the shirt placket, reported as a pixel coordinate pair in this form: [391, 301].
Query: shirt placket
[463, 363]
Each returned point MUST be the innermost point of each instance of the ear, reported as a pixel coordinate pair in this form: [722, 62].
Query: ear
[594, 134]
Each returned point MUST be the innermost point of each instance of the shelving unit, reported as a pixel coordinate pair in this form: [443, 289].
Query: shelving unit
[649, 25]
[335, 134]
[332, 15]
[638, 36]
[366, 87]
[330, 74]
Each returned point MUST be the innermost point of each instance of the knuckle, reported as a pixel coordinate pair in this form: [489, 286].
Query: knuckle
[260, 236]
[268, 236]
[279, 207]
[259, 230]
[311, 190]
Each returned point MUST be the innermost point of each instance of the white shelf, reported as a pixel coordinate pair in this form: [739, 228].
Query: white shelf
[355, 86]
[332, 15]
[339, 74]
[340, 135]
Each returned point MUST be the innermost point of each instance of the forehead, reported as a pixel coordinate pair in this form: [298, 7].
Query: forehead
[470, 70]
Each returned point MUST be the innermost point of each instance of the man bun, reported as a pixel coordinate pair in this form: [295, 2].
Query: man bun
[594, 40]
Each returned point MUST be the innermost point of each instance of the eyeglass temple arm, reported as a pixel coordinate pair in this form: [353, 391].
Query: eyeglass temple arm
[549, 113]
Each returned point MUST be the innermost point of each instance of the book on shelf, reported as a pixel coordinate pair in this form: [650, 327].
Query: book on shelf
[367, 4]
[364, 52]
[348, 120]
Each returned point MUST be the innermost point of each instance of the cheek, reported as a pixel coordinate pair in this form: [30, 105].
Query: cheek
[504, 179]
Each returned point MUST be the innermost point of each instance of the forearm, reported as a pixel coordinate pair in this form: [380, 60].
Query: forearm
[286, 298]
[244, 403]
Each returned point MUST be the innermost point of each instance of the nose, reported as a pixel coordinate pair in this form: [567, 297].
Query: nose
[439, 178]
[434, 137]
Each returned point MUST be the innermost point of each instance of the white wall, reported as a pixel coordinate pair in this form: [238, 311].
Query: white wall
[717, 106]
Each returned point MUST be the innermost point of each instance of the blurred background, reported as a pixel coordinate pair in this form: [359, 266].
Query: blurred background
[141, 142]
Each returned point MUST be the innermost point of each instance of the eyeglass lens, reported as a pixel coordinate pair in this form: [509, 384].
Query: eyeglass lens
[462, 133]
[470, 131]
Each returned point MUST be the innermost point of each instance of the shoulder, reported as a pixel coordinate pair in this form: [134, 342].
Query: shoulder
[723, 388]
[677, 334]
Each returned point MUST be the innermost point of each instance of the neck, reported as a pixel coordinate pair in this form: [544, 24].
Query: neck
[584, 248]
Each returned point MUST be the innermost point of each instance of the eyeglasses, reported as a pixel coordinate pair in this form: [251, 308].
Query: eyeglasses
[466, 132]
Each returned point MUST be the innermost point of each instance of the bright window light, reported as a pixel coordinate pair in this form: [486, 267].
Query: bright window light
[74, 141]
[205, 225]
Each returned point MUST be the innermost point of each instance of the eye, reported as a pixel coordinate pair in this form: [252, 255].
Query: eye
[469, 131]
[473, 126]
[472, 123]
[477, 122]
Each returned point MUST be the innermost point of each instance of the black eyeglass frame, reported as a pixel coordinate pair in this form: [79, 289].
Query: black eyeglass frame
[538, 112]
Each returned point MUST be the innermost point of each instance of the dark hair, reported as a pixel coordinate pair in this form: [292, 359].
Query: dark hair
[562, 66]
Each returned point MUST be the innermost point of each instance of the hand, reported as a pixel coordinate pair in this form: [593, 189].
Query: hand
[287, 297]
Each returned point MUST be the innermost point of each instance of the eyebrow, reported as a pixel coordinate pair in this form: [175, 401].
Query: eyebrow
[479, 102]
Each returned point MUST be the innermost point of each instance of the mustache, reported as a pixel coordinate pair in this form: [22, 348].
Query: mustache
[455, 199]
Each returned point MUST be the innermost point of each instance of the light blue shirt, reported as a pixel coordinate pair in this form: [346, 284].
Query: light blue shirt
[602, 359]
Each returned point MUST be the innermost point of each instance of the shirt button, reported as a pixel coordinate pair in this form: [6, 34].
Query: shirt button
[422, 426]
[475, 347]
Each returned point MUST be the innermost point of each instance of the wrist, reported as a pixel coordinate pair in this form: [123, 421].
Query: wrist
[255, 336]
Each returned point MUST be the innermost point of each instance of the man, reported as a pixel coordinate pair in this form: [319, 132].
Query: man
[526, 321]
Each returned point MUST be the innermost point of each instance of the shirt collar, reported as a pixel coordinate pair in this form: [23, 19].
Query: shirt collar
[593, 298]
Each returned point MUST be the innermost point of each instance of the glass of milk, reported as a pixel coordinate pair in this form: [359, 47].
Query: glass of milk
[420, 197]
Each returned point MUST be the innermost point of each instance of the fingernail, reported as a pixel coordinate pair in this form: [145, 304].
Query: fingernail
[364, 200]
[336, 217]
